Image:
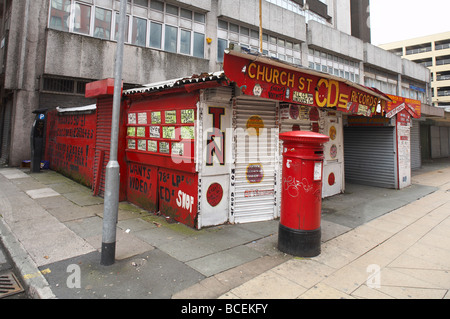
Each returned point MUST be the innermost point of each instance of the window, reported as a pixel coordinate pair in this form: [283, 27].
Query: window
[59, 15]
[185, 42]
[155, 35]
[102, 27]
[170, 41]
[221, 47]
[139, 30]
[82, 18]
[157, 5]
[273, 46]
[165, 26]
[199, 45]
[143, 3]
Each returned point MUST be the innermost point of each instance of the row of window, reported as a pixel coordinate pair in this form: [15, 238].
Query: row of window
[273, 46]
[296, 8]
[332, 64]
[170, 28]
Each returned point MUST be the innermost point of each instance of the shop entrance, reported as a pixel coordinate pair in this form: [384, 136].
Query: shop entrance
[255, 160]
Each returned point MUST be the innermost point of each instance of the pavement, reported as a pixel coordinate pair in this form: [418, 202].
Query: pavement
[376, 243]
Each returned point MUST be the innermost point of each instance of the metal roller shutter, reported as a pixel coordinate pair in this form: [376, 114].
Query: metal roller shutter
[255, 162]
[369, 156]
[102, 147]
[416, 159]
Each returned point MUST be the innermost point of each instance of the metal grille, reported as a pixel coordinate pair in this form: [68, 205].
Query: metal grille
[369, 156]
[255, 198]
[416, 159]
[9, 285]
[104, 118]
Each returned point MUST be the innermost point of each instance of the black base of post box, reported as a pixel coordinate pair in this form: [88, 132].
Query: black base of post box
[299, 243]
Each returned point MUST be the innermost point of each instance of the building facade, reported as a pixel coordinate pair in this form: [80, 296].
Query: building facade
[52, 48]
[433, 52]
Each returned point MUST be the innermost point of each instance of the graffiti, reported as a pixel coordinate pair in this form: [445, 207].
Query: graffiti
[293, 186]
[70, 145]
[185, 201]
[215, 143]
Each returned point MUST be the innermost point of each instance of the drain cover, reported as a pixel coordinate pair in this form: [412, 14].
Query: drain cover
[9, 285]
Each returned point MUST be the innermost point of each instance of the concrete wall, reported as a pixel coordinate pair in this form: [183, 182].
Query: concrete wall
[275, 18]
[75, 55]
[326, 38]
[380, 58]
[25, 61]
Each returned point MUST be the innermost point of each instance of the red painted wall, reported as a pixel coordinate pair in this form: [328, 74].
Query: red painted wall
[70, 145]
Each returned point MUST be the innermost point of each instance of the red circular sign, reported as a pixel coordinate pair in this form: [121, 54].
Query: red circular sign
[214, 194]
[255, 173]
[331, 179]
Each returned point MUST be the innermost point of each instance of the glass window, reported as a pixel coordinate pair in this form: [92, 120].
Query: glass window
[185, 42]
[245, 31]
[102, 25]
[199, 45]
[82, 19]
[170, 9]
[157, 5]
[116, 34]
[143, 3]
[221, 47]
[199, 17]
[234, 28]
[170, 39]
[59, 15]
[187, 14]
[155, 35]
[223, 25]
[139, 31]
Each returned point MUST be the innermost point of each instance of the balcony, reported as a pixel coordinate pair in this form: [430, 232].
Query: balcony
[417, 49]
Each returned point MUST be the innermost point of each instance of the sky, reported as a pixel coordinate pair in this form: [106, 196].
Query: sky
[396, 20]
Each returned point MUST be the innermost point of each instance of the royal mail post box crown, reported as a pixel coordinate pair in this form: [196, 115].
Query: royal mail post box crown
[301, 196]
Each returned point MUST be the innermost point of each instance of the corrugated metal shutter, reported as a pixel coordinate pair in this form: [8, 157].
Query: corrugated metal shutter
[416, 159]
[255, 197]
[369, 156]
[102, 147]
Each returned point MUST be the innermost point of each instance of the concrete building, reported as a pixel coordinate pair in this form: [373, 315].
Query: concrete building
[51, 48]
[433, 52]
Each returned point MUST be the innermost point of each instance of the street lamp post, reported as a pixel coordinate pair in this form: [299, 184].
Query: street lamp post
[111, 200]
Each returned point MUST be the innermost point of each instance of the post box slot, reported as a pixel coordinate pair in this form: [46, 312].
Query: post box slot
[318, 152]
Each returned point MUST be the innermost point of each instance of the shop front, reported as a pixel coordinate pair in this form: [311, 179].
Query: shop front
[205, 150]
[378, 149]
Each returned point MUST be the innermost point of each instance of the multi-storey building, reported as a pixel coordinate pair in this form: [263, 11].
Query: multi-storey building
[51, 48]
[433, 52]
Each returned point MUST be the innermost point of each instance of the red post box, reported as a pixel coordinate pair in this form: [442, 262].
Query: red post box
[301, 197]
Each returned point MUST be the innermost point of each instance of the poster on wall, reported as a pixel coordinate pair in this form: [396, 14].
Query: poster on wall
[404, 150]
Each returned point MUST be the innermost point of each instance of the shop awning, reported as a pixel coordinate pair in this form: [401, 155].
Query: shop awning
[192, 83]
[263, 77]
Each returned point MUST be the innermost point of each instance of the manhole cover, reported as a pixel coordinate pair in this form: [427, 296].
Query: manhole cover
[9, 285]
